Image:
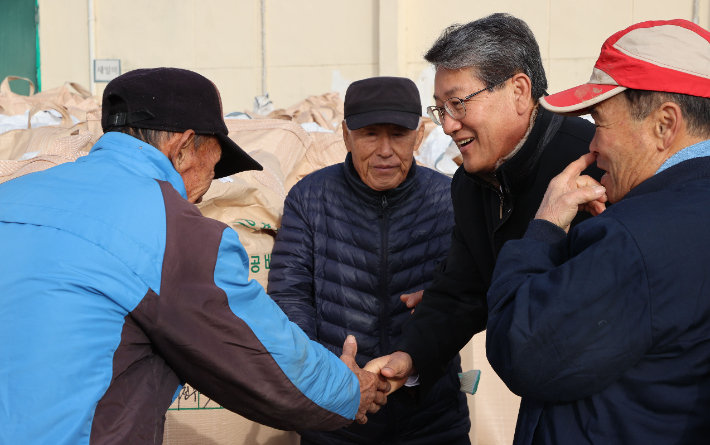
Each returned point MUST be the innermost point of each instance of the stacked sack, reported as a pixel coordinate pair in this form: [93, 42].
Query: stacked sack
[31, 140]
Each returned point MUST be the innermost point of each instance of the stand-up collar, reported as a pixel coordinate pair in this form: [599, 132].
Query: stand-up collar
[140, 157]
[687, 170]
[516, 169]
[374, 197]
[699, 150]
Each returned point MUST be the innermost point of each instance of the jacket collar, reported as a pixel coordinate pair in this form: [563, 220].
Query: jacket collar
[374, 197]
[686, 171]
[513, 173]
[140, 157]
[698, 150]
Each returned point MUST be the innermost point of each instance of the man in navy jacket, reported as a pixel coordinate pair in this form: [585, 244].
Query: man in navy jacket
[604, 330]
[358, 235]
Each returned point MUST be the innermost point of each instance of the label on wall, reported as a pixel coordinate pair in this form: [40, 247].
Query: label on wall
[105, 70]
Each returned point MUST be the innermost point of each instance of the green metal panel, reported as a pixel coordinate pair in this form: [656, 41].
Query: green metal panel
[18, 42]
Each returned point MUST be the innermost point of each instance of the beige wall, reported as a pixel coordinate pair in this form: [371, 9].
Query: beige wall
[315, 46]
[64, 42]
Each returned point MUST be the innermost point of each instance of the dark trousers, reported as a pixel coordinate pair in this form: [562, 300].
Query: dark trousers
[460, 441]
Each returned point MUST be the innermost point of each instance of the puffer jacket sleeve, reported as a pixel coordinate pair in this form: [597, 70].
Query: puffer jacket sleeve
[291, 274]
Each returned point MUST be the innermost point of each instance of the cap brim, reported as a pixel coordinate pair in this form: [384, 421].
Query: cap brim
[577, 101]
[234, 159]
[404, 119]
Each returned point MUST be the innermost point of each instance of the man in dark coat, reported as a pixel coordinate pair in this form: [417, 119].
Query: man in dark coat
[489, 79]
[604, 329]
[355, 237]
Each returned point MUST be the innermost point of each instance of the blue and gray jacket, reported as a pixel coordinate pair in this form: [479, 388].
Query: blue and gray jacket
[115, 289]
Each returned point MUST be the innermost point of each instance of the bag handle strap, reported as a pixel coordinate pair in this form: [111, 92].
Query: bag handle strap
[5, 85]
[269, 124]
[78, 89]
[46, 105]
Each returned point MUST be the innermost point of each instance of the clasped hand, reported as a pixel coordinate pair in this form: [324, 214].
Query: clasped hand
[396, 367]
[373, 388]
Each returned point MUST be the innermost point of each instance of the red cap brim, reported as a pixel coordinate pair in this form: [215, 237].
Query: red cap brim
[577, 100]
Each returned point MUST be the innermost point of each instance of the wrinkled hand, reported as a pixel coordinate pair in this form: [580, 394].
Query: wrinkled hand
[411, 300]
[373, 389]
[569, 192]
[396, 368]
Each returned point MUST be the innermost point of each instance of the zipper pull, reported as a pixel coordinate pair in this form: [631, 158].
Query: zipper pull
[384, 202]
[501, 202]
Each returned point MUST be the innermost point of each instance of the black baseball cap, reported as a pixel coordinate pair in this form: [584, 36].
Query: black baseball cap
[382, 100]
[173, 99]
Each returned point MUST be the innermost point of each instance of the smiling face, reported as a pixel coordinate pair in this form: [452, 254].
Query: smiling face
[625, 147]
[382, 153]
[493, 124]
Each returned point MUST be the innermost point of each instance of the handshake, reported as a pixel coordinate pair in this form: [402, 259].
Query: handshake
[379, 378]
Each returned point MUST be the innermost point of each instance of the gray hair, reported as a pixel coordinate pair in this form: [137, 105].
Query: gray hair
[496, 47]
[695, 109]
[156, 138]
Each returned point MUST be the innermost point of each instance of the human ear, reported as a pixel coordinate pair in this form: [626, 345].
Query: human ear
[522, 92]
[346, 138]
[667, 122]
[184, 144]
[420, 136]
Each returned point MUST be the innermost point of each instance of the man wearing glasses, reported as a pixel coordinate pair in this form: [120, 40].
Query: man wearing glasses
[489, 79]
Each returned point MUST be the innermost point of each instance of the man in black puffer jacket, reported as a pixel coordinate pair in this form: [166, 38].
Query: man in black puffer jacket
[355, 237]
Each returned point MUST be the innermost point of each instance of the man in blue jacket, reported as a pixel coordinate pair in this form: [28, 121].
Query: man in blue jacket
[116, 290]
[357, 236]
[605, 331]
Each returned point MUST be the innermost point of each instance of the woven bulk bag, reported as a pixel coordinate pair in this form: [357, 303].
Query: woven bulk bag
[327, 110]
[12, 104]
[251, 203]
[60, 150]
[72, 96]
[37, 149]
[284, 139]
[76, 99]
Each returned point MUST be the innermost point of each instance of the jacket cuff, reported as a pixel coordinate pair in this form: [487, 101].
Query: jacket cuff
[545, 231]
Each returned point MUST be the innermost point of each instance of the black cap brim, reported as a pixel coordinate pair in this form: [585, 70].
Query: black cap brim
[404, 119]
[234, 159]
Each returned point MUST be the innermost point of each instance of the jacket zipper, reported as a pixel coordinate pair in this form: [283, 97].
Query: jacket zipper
[384, 343]
[500, 195]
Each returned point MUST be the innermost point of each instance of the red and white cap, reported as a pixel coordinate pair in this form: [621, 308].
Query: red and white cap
[671, 56]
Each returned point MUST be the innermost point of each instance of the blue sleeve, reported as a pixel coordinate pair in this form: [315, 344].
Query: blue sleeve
[317, 373]
[291, 274]
[568, 315]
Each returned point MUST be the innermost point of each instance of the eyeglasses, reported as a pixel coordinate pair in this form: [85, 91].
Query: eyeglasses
[455, 106]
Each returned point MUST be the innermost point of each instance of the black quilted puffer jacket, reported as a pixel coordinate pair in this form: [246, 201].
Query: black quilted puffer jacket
[343, 256]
